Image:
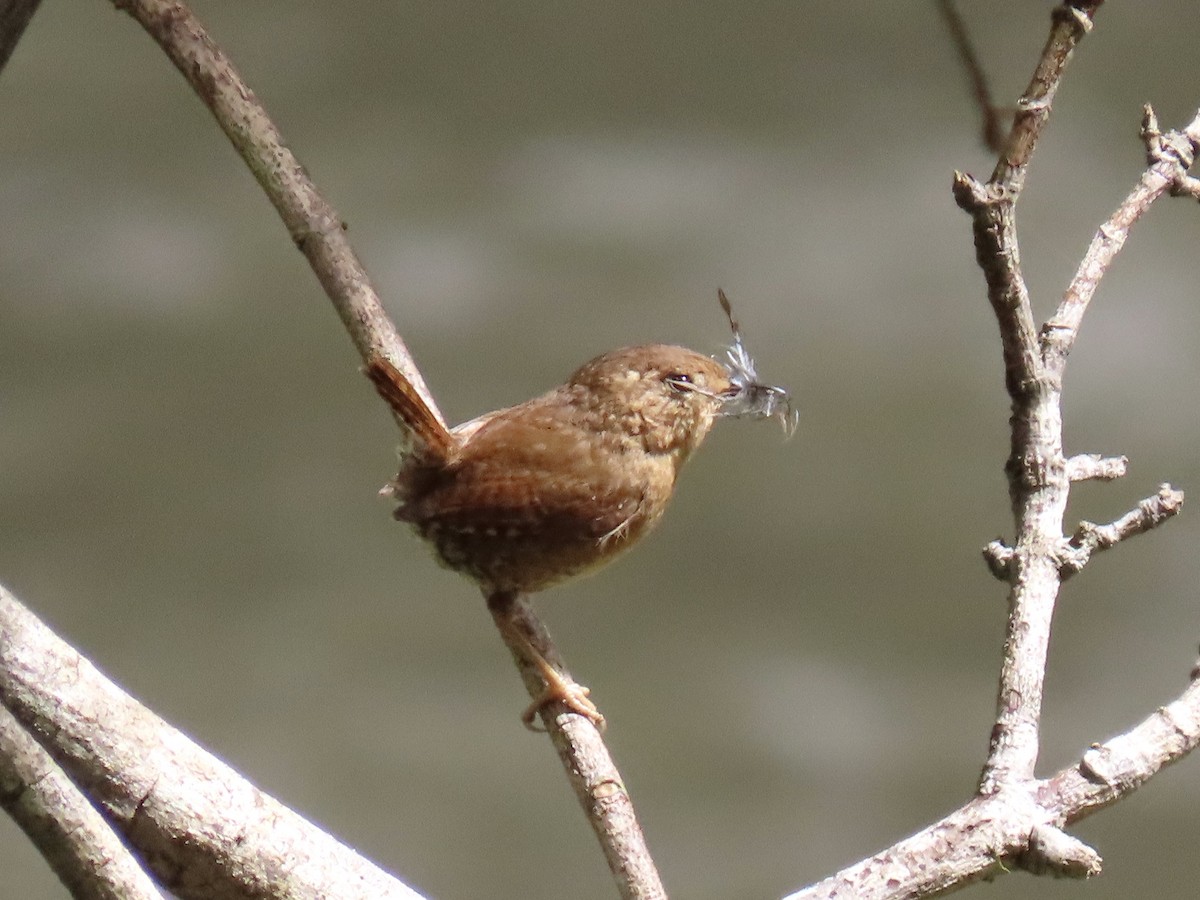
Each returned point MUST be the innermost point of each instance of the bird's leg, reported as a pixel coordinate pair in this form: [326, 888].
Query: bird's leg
[558, 687]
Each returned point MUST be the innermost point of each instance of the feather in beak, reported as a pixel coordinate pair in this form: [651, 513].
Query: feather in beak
[750, 397]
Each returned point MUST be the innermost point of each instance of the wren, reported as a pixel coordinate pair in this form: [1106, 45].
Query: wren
[523, 498]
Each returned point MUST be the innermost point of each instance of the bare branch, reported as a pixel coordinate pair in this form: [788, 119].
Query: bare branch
[991, 205]
[1111, 770]
[1054, 852]
[204, 830]
[80, 846]
[1170, 156]
[1020, 827]
[319, 232]
[1038, 474]
[1072, 20]
[1090, 538]
[1015, 820]
[1186, 187]
[1038, 483]
[996, 251]
[998, 556]
[1094, 467]
[971, 844]
[313, 223]
[590, 769]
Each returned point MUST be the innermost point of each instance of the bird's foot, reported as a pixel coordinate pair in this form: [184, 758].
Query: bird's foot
[571, 694]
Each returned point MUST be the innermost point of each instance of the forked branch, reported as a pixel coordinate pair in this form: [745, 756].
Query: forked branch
[1016, 821]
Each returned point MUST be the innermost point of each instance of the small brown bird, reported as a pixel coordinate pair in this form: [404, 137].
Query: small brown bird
[525, 497]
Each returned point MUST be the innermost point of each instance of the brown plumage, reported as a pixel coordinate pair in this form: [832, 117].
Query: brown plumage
[525, 497]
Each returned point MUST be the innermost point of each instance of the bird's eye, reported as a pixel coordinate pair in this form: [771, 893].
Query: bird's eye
[680, 382]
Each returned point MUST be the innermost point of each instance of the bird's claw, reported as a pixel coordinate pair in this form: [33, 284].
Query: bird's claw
[572, 695]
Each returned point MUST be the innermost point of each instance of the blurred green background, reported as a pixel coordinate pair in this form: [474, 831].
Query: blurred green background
[799, 667]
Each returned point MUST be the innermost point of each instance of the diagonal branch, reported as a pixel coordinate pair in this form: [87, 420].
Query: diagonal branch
[1090, 538]
[204, 830]
[1111, 770]
[320, 234]
[590, 770]
[81, 847]
[1169, 156]
[1071, 21]
[988, 835]
[313, 223]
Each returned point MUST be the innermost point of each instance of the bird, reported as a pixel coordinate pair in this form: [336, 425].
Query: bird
[526, 497]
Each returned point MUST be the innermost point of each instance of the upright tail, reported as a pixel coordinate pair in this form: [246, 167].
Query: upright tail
[430, 437]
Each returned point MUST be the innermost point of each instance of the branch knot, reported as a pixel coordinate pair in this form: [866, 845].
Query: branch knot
[999, 557]
[1054, 852]
[1077, 14]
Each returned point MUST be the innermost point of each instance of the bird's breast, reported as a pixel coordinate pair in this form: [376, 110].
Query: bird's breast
[525, 508]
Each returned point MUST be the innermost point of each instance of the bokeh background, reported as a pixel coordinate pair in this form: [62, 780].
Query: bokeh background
[799, 667]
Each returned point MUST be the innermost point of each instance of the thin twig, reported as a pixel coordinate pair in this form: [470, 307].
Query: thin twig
[313, 223]
[1072, 20]
[590, 769]
[205, 831]
[991, 205]
[1090, 538]
[1169, 156]
[318, 231]
[1094, 467]
[1187, 187]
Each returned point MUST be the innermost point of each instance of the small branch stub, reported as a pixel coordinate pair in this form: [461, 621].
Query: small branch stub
[998, 556]
[970, 193]
[1072, 13]
[1094, 467]
[1187, 186]
[1151, 134]
[1177, 149]
[1099, 767]
[1054, 852]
